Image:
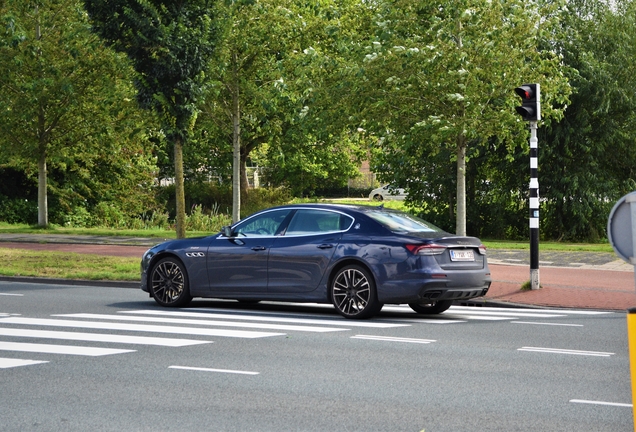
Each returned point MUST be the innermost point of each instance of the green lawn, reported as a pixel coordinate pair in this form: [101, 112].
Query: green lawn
[65, 265]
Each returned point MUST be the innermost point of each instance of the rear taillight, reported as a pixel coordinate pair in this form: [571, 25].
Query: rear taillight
[482, 249]
[426, 249]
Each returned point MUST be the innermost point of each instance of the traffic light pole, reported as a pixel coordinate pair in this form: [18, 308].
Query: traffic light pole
[534, 207]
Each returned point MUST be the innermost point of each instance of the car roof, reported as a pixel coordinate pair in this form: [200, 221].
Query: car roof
[341, 207]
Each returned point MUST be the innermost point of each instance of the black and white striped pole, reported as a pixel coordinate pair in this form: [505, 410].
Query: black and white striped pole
[531, 111]
[534, 207]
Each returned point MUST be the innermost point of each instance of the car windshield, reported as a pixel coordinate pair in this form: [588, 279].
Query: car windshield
[402, 222]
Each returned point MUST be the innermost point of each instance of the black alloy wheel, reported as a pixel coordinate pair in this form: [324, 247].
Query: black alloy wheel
[433, 308]
[353, 293]
[169, 283]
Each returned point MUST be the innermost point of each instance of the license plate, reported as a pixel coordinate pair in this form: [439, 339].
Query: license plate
[462, 255]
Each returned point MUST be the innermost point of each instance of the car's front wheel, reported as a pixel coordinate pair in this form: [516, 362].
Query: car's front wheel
[169, 283]
[431, 308]
[353, 293]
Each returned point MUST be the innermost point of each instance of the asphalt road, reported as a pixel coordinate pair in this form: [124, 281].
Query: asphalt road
[272, 367]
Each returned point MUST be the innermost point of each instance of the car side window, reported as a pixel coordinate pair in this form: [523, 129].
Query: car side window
[265, 224]
[307, 222]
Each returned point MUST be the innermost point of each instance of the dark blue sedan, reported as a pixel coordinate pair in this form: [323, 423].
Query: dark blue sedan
[356, 257]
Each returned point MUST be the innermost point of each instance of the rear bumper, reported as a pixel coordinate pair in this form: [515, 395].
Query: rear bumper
[464, 286]
[436, 294]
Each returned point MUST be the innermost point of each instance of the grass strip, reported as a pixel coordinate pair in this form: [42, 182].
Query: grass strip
[67, 265]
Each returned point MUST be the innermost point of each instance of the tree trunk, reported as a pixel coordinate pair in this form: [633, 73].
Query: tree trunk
[244, 180]
[236, 153]
[179, 187]
[460, 221]
[43, 209]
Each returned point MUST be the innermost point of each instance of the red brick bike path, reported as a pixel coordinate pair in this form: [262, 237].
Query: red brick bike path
[564, 287]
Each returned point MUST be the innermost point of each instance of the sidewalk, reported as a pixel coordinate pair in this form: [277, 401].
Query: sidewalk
[568, 279]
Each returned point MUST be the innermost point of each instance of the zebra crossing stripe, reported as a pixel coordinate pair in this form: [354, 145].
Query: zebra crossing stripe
[260, 318]
[502, 313]
[6, 363]
[138, 327]
[60, 349]
[100, 337]
[284, 327]
[393, 339]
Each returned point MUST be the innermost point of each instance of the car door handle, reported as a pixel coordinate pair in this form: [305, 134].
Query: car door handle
[325, 246]
[259, 248]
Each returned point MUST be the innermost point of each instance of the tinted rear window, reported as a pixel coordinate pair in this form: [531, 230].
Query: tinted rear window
[402, 222]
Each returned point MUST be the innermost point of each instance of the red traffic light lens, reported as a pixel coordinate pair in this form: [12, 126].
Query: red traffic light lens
[525, 92]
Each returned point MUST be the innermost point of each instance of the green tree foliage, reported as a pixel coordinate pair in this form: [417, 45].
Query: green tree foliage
[170, 44]
[67, 117]
[440, 80]
[261, 99]
[588, 159]
[318, 146]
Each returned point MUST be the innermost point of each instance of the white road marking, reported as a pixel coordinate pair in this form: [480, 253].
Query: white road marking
[347, 323]
[566, 351]
[284, 327]
[393, 339]
[501, 313]
[434, 321]
[60, 349]
[214, 370]
[6, 363]
[14, 295]
[138, 327]
[483, 317]
[536, 311]
[99, 337]
[550, 324]
[581, 401]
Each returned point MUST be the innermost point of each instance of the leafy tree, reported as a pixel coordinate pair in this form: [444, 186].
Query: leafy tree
[170, 44]
[587, 160]
[440, 80]
[65, 105]
[261, 100]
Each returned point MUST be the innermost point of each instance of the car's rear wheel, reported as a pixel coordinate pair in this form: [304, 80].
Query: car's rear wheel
[431, 308]
[378, 197]
[353, 293]
[169, 283]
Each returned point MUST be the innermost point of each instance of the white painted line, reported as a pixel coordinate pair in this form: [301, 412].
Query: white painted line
[6, 363]
[550, 324]
[393, 339]
[139, 328]
[342, 322]
[434, 321]
[482, 317]
[536, 311]
[100, 337]
[501, 312]
[60, 349]
[566, 351]
[13, 295]
[213, 370]
[283, 327]
[581, 401]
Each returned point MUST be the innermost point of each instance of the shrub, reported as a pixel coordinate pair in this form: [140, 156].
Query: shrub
[199, 221]
[79, 217]
[16, 210]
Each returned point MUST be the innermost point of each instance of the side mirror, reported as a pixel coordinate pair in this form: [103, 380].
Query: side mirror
[227, 231]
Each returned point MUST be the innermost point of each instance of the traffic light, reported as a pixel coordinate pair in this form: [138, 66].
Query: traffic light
[530, 94]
